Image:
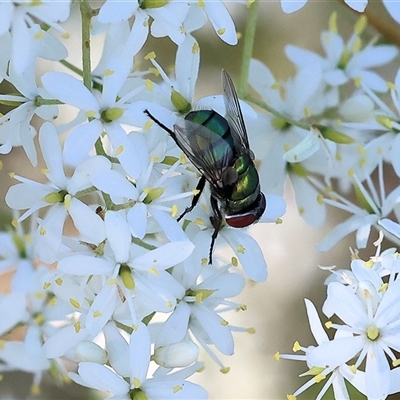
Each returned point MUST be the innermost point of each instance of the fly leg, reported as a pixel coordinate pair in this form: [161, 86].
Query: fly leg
[159, 123]
[199, 190]
[216, 221]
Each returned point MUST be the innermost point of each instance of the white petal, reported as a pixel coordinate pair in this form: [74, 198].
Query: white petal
[358, 5]
[112, 182]
[315, 323]
[335, 352]
[137, 220]
[51, 151]
[377, 373]
[347, 306]
[173, 231]
[132, 150]
[85, 265]
[26, 195]
[13, 308]
[393, 9]
[82, 176]
[163, 390]
[276, 207]
[304, 149]
[63, 341]
[249, 253]
[187, 67]
[114, 12]
[49, 234]
[80, 142]
[339, 232]
[101, 309]
[69, 90]
[102, 378]
[308, 202]
[87, 222]
[221, 21]
[139, 351]
[175, 327]
[290, 6]
[219, 333]
[300, 56]
[117, 349]
[118, 235]
[164, 257]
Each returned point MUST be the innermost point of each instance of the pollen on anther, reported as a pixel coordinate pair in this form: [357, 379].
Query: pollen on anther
[108, 72]
[77, 326]
[97, 314]
[277, 356]
[296, 346]
[221, 31]
[59, 281]
[74, 303]
[149, 85]
[177, 388]
[240, 249]
[119, 150]
[148, 125]
[195, 48]
[150, 56]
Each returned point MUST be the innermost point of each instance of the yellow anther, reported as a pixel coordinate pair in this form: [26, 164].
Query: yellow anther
[74, 303]
[240, 249]
[296, 346]
[150, 56]
[77, 326]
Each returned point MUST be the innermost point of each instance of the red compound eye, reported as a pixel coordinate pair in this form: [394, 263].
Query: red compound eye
[240, 221]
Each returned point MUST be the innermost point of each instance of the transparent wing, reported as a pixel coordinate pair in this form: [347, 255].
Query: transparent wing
[234, 114]
[209, 152]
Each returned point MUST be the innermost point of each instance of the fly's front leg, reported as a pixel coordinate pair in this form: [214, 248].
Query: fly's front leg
[216, 221]
[195, 200]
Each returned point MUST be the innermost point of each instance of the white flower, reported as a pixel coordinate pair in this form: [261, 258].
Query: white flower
[167, 17]
[320, 373]
[20, 19]
[375, 334]
[370, 209]
[59, 194]
[105, 110]
[128, 375]
[15, 127]
[198, 310]
[345, 61]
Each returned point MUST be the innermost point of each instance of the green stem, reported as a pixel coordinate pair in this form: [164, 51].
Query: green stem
[71, 67]
[249, 37]
[86, 15]
[272, 110]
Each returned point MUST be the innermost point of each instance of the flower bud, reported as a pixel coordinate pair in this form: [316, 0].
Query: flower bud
[89, 351]
[176, 355]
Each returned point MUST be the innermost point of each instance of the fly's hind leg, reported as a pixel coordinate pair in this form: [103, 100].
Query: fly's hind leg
[195, 200]
[216, 221]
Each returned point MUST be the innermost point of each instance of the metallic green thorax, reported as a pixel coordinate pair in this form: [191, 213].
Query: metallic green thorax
[245, 190]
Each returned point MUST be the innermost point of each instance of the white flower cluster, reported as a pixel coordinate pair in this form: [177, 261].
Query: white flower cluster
[330, 133]
[107, 275]
[363, 349]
